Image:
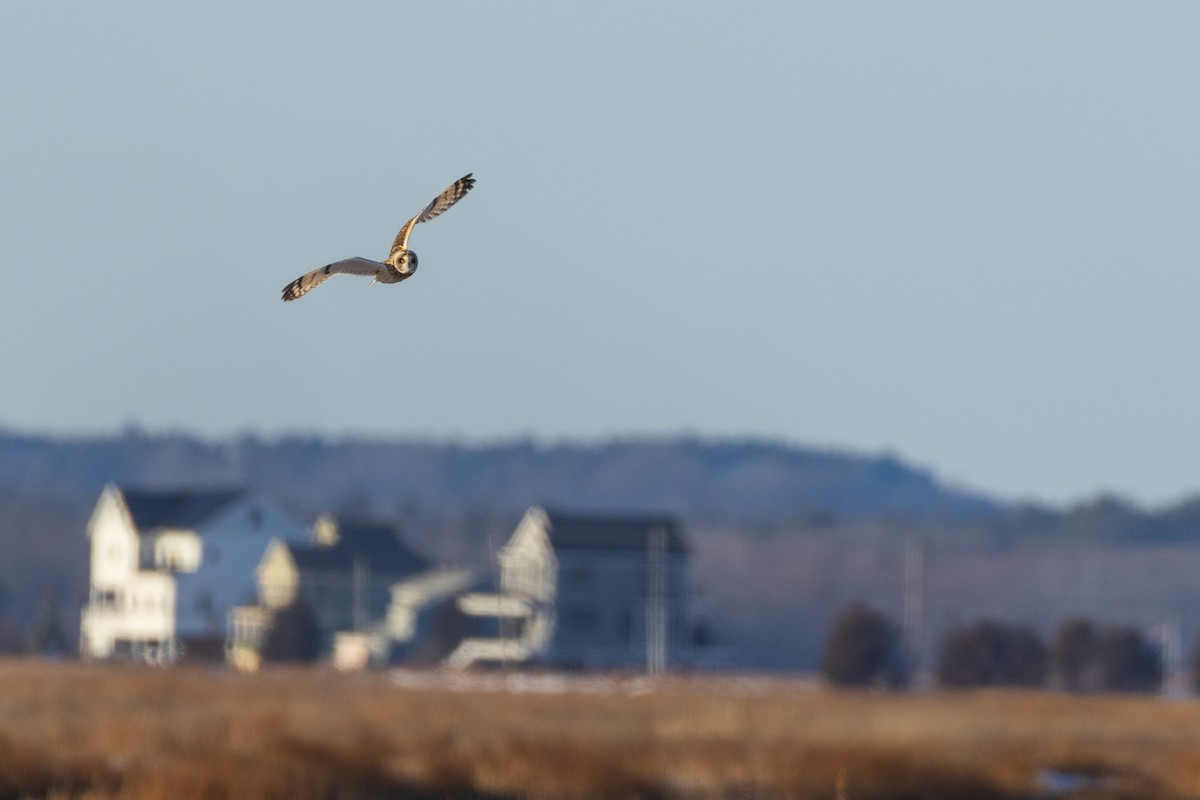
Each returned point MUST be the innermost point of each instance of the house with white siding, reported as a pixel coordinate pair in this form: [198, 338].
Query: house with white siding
[585, 592]
[166, 567]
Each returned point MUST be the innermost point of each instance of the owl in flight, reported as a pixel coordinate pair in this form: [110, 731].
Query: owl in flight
[400, 264]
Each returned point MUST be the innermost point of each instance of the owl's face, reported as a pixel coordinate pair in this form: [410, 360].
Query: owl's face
[407, 263]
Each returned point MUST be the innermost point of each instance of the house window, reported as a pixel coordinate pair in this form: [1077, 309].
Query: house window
[105, 598]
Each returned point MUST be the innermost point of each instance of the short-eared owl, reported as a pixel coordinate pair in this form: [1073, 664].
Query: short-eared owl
[400, 264]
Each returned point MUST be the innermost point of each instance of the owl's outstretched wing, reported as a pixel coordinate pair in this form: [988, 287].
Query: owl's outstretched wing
[449, 196]
[309, 281]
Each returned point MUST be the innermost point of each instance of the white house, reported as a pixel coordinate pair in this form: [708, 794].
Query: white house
[166, 566]
[587, 591]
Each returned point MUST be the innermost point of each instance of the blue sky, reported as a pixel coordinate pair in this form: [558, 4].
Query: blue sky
[962, 233]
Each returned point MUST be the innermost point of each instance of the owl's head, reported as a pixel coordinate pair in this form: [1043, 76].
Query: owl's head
[407, 263]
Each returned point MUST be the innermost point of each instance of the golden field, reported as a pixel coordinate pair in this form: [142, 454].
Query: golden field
[84, 731]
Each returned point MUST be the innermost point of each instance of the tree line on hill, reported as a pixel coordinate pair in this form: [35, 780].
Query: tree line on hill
[730, 478]
[865, 648]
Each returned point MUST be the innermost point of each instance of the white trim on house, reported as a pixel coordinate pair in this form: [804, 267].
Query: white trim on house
[154, 588]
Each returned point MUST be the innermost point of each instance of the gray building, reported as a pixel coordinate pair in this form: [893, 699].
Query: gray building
[344, 575]
[587, 592]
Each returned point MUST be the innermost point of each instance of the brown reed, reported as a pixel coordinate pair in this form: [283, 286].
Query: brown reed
[90, 731]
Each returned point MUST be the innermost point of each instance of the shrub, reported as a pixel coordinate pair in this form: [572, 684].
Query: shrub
[863, 649]
[1127, 662]
[990, 653]
[294, 635]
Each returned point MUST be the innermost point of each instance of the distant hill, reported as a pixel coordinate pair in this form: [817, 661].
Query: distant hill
[732, 479]
[783, 536]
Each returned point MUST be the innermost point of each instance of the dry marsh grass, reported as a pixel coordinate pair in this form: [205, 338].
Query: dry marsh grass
[82, 731]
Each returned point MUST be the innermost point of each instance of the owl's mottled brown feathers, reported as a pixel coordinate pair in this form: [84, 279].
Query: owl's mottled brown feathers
[309, 281]
[400, 263]
[449, 196]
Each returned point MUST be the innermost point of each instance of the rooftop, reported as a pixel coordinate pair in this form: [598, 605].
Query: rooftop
[151, 508]
[627, 533]
[376, 545]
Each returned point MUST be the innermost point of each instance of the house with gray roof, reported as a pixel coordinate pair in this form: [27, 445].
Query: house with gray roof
[167, 565]
[587, 591]
[344, 573]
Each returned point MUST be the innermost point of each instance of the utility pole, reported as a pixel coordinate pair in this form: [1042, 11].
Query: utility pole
[914, 605]
[656, 601]
[359, 594]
